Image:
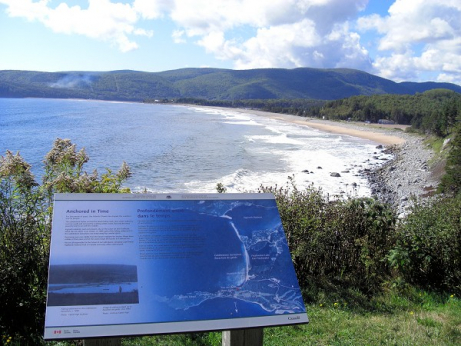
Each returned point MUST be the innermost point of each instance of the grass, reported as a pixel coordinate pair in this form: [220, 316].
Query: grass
[330, 326]
[403, 315]
[436, 144]
[413, 317]
[410, 318]
[437, 163]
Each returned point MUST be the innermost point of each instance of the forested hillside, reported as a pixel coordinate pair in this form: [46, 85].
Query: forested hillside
[433, 110]
[207, 84]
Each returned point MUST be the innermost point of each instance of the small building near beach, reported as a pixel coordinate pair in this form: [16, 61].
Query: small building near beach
[386, 122]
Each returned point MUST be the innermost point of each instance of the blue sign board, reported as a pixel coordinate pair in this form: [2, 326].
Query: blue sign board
[140, 264]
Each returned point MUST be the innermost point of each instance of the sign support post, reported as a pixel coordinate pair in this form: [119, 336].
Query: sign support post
[243, 337]
[102, 342]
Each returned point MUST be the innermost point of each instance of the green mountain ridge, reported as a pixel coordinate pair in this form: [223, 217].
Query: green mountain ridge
[206, 83]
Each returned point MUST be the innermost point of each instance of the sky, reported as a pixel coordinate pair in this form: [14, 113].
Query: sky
[401, 40]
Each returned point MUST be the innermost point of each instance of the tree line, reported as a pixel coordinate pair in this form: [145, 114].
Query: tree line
[432, 112]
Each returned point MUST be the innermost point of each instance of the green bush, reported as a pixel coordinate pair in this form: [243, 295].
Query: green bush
[361, 233]
[24, 240]
[428, 249]
[64, 172]
[344, 242]
[25, 227]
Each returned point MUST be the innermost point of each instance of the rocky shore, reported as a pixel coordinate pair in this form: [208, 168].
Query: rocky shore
[407, 175]
[410, 173]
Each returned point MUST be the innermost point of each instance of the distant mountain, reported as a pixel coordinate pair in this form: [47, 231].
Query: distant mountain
[206, 83]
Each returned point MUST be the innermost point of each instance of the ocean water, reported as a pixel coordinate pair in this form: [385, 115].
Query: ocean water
[93, 288]
[188, 149]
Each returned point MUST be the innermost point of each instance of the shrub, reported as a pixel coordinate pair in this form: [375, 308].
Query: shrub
[25, 226]
[428, 249]
[342, 242]
[361, 233]
[64, 172]
[24, 240]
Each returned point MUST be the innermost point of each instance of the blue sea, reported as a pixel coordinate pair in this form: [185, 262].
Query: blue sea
[187, 149]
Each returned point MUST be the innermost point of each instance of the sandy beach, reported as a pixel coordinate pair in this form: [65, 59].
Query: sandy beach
[382, 134]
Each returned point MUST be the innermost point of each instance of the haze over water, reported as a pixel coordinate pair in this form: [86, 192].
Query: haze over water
[186, 149]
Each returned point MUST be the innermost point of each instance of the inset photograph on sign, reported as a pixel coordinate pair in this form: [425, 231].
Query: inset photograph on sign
[92, 284]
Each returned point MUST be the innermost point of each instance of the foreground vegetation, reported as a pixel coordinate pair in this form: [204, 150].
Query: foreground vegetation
[366, 277]
[25, 230]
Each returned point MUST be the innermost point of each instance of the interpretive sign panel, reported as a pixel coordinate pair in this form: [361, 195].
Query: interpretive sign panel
[140, 264]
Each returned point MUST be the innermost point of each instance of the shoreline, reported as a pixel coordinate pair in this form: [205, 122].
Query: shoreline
[384, 135]
[409, 174]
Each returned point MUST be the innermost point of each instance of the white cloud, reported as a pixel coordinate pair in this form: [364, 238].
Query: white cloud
[149, 9]
[286, 45]
[288, 33]
[200, 17]
[27, 8]
[102, 19]
[418, 37]
[273, 33]
[447, 78]
[178, 36]
[397, 67]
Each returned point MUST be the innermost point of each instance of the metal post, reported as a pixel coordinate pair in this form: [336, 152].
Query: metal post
[243, 337]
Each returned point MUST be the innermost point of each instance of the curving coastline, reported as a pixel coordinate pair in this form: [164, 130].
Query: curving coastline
[396, 181]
